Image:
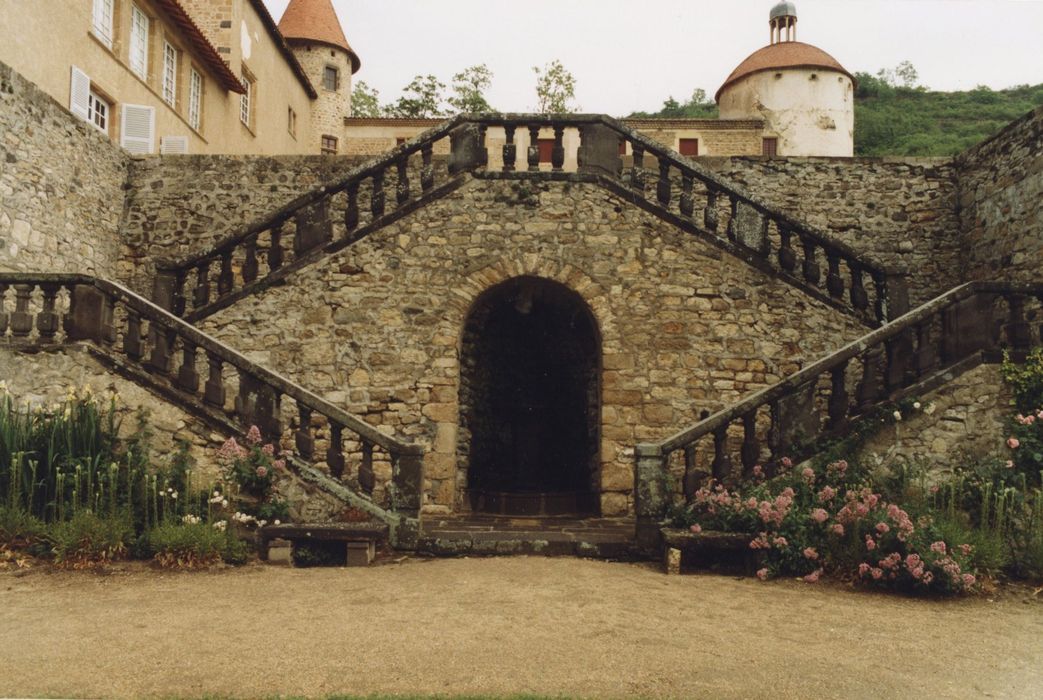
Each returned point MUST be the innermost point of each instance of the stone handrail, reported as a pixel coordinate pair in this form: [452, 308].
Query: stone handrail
[788, 418]
[684, 193]
[51, 308]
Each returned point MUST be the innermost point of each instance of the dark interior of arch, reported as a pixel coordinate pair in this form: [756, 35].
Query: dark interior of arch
[530, 398]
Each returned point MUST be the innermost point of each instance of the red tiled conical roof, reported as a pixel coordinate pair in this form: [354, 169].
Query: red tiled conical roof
[316, 20]
[785, 54]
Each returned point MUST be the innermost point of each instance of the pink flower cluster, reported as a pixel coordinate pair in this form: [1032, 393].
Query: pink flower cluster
[253, 436]
[231, 450]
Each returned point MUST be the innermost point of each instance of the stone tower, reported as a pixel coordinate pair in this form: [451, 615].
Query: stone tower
[312, 30]
[804, 95]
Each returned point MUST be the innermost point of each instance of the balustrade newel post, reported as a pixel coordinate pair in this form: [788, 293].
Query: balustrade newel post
[652, 494]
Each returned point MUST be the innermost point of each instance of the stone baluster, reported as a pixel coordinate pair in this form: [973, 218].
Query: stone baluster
[733, 215]
[787, 256]
[427, 171]
[690, 481]
[47, 319]
[534, 148]
[335, 450]
[22, 318]
[367, 478]
[557, 153]
[303, 439]
[711, 217]
[250, 262]
[687, 204]
[839, 400]
[162, 348]
[201, 293]
[3, 310]
[482, 132]
[133, 347]
[949, 345]
[214, 390]
[510, 149]
[275, 253]
[1019, 333]
[926, 353]
[834, 282]
[859, 297]
[775, 432]
[869, 387]
[225, 280]
[351, 211]
[402, 187]
[722, 462]
[662, 187]
[898, 357]
[880, 309]
[376, 204]
[637, 178]
[271, 415]
[177, 301]
[812, 271]
[751, 449]
[187, 375]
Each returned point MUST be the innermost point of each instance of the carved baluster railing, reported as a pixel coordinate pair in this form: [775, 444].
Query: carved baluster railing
[225, 279]
[839, 400]
[351, 210]
[275, 252]
[722, 461]
[812, 271]
[869, 389]
[201, 292]
[133, 347]
[214, 393]
[510, 149]
[427, 170]
[250, 266]
[303, 439]
[687, 205]
[859, 296]
[376, 202]
[711, 218]
[880, 283]
[637, 176]
[787, 256]
[162, 349]
[22, 318]
[367, 477]
[402, 186]
[188, 375]
[335, 450]
[557, 153]
[662, 188]
[534, 148]
[47, 319]
[834, 282]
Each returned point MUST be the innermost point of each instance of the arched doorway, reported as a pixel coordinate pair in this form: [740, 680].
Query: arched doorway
[530, 401]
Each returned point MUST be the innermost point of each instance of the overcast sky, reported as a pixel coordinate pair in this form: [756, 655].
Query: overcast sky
[630, 55]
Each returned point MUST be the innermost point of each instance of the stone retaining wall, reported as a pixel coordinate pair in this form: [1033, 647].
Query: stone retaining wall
[61, 185]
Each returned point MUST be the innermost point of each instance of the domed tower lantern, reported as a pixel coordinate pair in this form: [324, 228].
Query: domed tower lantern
[783, 22]
[315, 36]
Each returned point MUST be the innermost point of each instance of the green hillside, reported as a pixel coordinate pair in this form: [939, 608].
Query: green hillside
[894, 120]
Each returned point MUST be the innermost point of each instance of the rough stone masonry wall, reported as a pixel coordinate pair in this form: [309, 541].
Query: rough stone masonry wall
[377, 328]
[61, 186]
[902, 211]
[1001, 203]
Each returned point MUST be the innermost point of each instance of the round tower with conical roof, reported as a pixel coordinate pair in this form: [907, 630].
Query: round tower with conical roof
[315, 36]
[804, 95]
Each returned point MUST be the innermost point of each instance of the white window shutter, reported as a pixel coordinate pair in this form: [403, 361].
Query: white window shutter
[137, 129]
[173, 145]
[79, 94]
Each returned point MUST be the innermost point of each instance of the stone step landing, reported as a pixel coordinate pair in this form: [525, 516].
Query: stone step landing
[488, 535]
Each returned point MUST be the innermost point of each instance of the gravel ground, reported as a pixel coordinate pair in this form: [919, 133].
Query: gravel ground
[502, 626]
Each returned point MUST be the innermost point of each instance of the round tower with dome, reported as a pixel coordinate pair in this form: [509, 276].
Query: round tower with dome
[315, 36]
[804, 95]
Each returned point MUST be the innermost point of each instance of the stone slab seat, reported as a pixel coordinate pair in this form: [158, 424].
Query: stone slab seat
[359, 538]
[679, 543]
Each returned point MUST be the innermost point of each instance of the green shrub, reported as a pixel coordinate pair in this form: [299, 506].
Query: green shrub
[87, 540]
[194, 545]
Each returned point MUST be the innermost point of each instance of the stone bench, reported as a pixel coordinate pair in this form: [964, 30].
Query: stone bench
[360, 539]
[678, 543]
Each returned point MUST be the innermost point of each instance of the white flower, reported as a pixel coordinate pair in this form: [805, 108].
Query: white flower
[221, 525]
[224, 502]
[173, 494]
[916, 405]
[276, 523]
[190, 519]
[897, 415]
[217, 494]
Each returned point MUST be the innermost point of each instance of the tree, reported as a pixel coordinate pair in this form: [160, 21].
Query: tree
[469, 86]
[905, 72]
[555, 89]
[365, 101]
[420, 99]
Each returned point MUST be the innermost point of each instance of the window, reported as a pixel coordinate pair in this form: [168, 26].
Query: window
[101, 21]
[399, 140]
[246, 98]
[98, 109]
[329, 145]
[139, 22]
[331, 78]
[169, 74]
[291, 122]
[138, 129]
[688, 147]
[195, 99]
[769, 146]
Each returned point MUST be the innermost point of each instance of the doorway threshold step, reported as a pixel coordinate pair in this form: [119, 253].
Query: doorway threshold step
[595, 538]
